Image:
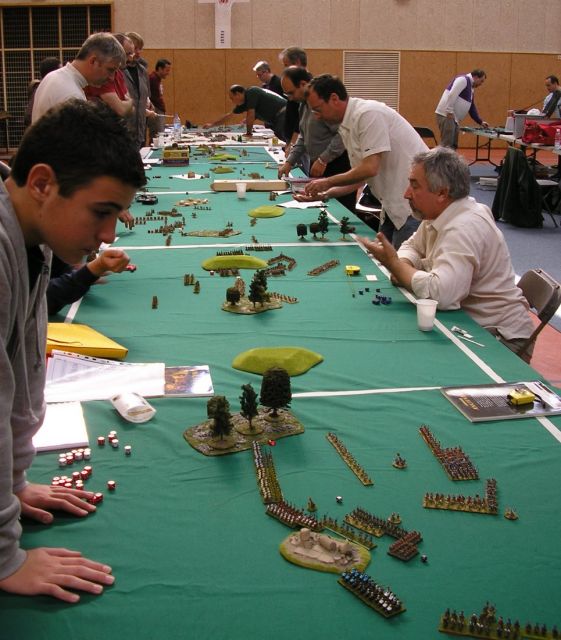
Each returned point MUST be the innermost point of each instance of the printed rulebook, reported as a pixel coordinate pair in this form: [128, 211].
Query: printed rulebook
[491, 401]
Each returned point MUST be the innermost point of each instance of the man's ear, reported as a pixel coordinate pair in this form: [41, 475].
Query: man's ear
[41, 181]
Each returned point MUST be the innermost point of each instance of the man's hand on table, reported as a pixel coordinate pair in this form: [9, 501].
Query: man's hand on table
[315, 187]
[52, 571]
[38, 499]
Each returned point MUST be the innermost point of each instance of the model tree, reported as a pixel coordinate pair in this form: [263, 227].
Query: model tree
[258, 288]
[218, 408]
[345, 227]
[314, 228]
[248, 404]
[323, 222]
[233, 296]
[302, 231]
[275, 390]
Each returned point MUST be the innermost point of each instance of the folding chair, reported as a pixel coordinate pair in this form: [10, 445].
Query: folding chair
[426, 134]
[544, 295]
[549, 190]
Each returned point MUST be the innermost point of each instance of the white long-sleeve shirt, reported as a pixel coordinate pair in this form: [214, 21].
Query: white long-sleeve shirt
[463, 262]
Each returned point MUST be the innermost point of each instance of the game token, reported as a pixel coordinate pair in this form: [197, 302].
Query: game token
[111, 485]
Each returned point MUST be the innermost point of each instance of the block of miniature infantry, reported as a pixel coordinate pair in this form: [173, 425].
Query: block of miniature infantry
[456, 102]
[458, 256]
[96, 62]
[257, 104]
[75, 170]
[380, 144]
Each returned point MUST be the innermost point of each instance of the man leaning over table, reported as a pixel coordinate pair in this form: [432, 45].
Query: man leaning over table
[75, 170]
[257, 104]
[96, 62]
[456, 102]
[458, 256]
[380, 144]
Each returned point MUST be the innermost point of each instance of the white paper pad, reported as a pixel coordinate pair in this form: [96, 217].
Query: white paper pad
[64, 428]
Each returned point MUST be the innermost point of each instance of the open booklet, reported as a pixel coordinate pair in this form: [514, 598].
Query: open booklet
[492, 402]
[74, 377]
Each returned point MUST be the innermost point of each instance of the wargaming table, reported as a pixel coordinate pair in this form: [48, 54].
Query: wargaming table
[193, 552]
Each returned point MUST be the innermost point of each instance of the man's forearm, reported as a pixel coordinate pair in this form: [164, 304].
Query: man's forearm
[402, 271]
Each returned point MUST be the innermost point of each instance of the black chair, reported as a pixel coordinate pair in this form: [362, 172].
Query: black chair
[426, 134]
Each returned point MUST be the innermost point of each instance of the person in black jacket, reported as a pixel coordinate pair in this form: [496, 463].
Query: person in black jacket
[68, 284]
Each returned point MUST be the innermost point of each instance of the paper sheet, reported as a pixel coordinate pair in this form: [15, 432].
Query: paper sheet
[64, 428]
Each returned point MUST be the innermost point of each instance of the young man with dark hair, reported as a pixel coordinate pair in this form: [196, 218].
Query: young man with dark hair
[155, 79]
[76, 169]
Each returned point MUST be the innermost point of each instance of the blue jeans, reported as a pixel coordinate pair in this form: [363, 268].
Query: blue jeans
[397, 236]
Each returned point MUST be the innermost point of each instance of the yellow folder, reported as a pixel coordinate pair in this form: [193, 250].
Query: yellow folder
[79, 338]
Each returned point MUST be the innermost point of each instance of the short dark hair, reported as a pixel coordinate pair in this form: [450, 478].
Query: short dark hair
[162, 63]
[478, 73]
[80, 141]
[47, 65]
[296, 75]
[327, 84]
[237, 88]
[553, 79]
[294, 55]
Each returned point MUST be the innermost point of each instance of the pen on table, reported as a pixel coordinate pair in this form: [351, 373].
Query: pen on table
[459, 335]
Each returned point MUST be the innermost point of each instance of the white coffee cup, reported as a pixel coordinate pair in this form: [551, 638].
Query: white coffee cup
[241, 188]
[426, 312]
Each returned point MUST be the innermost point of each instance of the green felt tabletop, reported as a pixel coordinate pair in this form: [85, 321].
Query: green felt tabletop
[192, 550]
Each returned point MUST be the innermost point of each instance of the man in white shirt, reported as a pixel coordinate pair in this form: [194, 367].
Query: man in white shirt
[380, 144]
[456, 102]
[99, 58]
[458, 256]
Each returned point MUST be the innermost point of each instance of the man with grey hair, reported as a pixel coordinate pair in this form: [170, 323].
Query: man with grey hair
[457, 256]
[98, 59]
[267, 78]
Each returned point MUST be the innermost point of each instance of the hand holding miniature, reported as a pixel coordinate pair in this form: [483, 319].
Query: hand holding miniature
[52, 571]
[114, 260]
[284, 169]
[315, 187]
[126, 217]
[37, 499]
